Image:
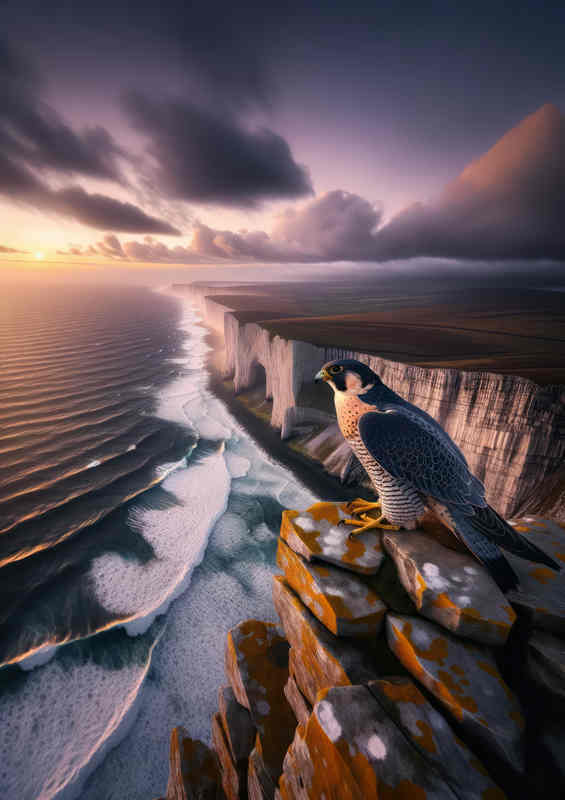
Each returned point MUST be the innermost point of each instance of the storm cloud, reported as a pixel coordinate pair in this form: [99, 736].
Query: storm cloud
[34, 141]
[95, 210]
[209, 157]
[507, 204]
[33, 132]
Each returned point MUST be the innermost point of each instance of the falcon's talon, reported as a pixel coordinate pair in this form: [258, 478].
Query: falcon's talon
[367, 523]
[358, 506]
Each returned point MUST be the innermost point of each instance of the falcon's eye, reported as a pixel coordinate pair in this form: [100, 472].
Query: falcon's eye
[336, 368]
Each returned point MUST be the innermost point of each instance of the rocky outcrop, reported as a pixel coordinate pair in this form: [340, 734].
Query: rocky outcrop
[509, 428]
[414, 679]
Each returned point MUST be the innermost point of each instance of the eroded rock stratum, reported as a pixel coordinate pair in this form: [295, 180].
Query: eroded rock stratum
[399, 671]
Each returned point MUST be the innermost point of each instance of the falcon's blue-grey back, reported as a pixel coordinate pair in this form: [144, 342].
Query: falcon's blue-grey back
[414, 465]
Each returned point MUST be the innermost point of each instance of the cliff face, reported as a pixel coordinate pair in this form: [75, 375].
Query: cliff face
[509, 428]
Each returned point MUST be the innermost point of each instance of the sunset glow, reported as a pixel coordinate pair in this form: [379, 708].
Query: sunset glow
[166, 151]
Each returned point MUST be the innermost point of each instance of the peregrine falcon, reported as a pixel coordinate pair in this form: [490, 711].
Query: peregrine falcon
[414, 465]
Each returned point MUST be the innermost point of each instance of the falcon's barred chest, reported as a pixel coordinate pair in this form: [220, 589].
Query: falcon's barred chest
[401, 503]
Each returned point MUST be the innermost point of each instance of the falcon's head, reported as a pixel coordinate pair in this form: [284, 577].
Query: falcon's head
[347, 375]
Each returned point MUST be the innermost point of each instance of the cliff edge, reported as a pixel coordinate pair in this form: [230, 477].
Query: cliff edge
[509, 428]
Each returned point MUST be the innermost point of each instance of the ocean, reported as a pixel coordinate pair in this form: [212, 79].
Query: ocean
[138, 523]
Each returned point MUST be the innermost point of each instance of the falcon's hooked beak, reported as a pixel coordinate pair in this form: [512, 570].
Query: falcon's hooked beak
[322, 375]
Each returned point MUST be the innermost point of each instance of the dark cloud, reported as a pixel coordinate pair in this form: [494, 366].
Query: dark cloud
[34, 139]
[508, 204]
[333, 227]
[95, 210]
[106, 213]
[34, 133]
[208, 157]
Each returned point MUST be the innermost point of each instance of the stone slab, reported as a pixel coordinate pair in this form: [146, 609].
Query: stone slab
[316, 534]
[464, 677]
[256, 660]
[338, 598]
[450, 588]
[325, 660]
[541, 594]
[351, 749]
[429, 732]
[193, 771]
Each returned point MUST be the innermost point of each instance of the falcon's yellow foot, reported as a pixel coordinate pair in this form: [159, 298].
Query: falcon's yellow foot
[367, 523]
[361, 506]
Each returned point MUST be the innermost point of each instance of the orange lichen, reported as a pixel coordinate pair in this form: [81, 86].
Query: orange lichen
[457, 669]
[333, 610]
[324, 511]
[456, 691]
[262, 661]
[426, 737]
[335, 772]
[443, 601]
[406, 651]
[318, 665]
[437, 650]
[405, 692]
[543, 574]
[422, 586]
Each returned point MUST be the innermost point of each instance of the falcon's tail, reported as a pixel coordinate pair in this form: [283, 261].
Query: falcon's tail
[484, 531]
[492, 525]
[483, 549]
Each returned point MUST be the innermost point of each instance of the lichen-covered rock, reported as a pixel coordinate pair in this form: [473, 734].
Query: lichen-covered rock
[465, 679]
[296, 700]
[324, 659]
[317, 534]
[257, 666]
[193, 772]
[541, 593]
[260, 784]
[351, 749]
[237, 724]
[433, 737]
[451, 588]
[339, 599]
[546, 664]
[234, 776]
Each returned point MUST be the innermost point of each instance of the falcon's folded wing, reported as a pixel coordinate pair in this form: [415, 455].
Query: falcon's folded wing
[410, 449]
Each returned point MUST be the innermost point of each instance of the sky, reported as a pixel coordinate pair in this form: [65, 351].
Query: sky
[304, 132]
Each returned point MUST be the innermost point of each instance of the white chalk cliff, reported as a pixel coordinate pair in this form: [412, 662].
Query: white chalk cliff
[509, 428]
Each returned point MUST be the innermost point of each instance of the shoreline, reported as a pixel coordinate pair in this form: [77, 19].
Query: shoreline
[309, 472]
